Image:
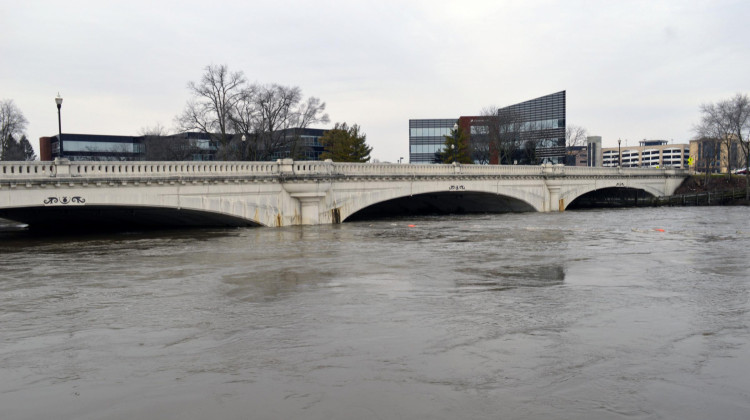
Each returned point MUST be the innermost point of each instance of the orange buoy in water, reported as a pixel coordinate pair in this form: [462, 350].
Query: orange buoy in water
[412, 225]
[659, 230]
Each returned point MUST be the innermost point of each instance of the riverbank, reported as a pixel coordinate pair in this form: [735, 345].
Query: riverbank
[716, 190]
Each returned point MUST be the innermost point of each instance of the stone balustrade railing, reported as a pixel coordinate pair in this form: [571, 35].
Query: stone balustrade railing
[287, 168]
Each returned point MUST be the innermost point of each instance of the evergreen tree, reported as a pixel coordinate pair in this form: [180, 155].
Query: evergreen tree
[345, 144]
[456, 147]
[17, 150]
[28, 150]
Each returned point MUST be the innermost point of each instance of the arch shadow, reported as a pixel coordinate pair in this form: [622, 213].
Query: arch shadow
[611, 197]
[119, 218]
[442, 203]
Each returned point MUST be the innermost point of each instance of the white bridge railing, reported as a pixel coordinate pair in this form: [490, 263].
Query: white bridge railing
[16, 171]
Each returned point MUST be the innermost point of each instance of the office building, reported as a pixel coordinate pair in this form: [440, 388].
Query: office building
[594, 151]
[716, 156]
[533, 131]
[427, 137]
[301, 144]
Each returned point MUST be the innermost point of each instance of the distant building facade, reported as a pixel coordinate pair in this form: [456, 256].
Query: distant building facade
[90, 147]
[648, 154]
[304, 145]
[539, 125]
[594, 151]
[427, 137]
[576, 156]
[716, 156]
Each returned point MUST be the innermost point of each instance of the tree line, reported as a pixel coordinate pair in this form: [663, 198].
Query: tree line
[13, 142]
[251, 121]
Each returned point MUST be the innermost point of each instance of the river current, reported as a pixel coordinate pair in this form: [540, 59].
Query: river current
[600, 314]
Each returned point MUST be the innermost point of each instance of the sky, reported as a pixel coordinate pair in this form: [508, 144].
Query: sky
[632, 70]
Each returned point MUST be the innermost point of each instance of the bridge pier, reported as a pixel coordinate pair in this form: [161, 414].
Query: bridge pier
[555, 203]
[308, 198]
[309, 207]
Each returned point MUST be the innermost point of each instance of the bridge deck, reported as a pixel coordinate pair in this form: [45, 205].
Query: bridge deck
[286, 192]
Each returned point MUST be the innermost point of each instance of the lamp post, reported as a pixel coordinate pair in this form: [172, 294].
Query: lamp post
[58, 101]
[400, 160]
[454, 145]
[244, 148]
[619, 155]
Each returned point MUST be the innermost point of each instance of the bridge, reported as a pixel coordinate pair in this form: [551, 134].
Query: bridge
[64, 194]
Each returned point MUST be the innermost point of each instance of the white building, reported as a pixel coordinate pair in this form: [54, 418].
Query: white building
[648, 154]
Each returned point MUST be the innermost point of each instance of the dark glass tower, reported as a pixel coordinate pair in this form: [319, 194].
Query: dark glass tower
[543, 125]
[540, 125]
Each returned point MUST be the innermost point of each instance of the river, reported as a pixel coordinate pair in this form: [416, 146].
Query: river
[600, 314]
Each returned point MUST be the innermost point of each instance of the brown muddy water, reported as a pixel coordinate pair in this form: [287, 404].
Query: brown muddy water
[602, 314]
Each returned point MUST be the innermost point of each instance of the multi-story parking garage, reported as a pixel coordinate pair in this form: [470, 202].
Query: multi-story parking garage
[648, 154]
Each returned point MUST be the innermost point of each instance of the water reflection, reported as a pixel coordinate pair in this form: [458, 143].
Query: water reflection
[513, 277]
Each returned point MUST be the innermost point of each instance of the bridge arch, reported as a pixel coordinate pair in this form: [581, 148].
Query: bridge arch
[116, 216]
[574, 194]
[447, 197]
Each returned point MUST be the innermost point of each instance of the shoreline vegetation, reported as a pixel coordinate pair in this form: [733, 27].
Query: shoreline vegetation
[718, 189]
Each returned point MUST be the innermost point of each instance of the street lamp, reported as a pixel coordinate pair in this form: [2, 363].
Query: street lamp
[400, 160]
[619, 155]
[455, 139]
[244, 148]
[58, 101]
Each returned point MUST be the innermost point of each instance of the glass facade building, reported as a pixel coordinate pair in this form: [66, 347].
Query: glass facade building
[304, 144]
[427, 137]
[300, 144]
[91, 147]
[543, 125]
[540, 130]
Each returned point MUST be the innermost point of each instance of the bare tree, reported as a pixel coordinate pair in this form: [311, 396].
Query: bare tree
[500, 134]
[214, 99]
[481, 148]
[12, 124]
[737, 113]
[711, 131]
[271, 117]
[155, 130]
[226, 108]
[575, 138]
[247, 120]
[158, 144]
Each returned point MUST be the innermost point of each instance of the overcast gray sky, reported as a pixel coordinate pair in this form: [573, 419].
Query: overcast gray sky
[631, 69]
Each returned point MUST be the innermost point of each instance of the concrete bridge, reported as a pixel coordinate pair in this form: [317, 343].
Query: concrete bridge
[70, 194]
